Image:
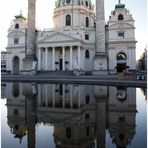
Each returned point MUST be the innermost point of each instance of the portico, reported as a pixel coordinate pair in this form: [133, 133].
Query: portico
[62, 96]
[59, 58]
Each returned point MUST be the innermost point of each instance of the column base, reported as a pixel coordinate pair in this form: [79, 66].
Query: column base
[100, 72]
[100, 64]
[29, 89]
[29, 66]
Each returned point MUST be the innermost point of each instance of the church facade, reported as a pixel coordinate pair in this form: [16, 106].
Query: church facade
[71, 44]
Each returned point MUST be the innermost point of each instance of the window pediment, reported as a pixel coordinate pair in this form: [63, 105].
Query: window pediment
[16, 34]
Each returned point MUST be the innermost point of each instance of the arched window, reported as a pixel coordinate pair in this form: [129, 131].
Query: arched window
[16, 65]
[87, 22]
[67, 1]
[86, 4]
[121, 56]
[16, 26]
[87, 54]
[15, 89]
[68, 20]
[120, 17]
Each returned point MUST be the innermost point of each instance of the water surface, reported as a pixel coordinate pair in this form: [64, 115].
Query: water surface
[72, 116]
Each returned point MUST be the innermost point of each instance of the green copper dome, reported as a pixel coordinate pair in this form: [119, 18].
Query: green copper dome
[60, 3]
[120, 6]
[20, 16]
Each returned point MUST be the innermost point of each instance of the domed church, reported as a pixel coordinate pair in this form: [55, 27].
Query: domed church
[80, 39]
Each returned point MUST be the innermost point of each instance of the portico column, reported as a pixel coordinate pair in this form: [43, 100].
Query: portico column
[79, 56]
[63, 57]
[39, 59]
[53, 58]
[70, 57]
[63, 95]
[79, 101]
[39, 94]
[46, 95]
[71, 94]
[46, 58]
[53, 95]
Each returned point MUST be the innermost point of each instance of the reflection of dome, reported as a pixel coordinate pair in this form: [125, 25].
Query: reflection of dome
[74, 136]
[77, 2]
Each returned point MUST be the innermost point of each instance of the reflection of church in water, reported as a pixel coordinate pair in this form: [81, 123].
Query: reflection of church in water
[80, 114]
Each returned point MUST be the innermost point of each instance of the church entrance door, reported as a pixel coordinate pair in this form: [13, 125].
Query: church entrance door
[61, 64]
[121, 67]
[121, 62]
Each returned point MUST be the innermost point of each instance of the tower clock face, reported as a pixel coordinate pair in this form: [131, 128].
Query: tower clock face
[67, 1]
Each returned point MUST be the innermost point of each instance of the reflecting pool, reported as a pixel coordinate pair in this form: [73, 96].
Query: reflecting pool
[72, 116]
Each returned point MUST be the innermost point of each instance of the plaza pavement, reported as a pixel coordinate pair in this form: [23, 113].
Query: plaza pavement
[113, 80]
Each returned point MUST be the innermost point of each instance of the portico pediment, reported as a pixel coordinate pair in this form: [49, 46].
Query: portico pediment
[58, 37]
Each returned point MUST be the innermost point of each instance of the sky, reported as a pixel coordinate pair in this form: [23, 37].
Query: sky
[44, 14]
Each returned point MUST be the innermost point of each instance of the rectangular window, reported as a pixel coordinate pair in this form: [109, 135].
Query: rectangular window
[16, 41]
[16, 111]
[86, 116]
[86, 37]
[87, 99]
[3, 62]
[3, 66]
[121, 35]
[3, 70]
[3, 85]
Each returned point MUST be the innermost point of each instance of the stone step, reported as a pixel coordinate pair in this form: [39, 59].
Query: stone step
[55, 73]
